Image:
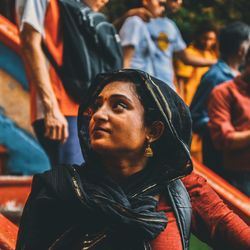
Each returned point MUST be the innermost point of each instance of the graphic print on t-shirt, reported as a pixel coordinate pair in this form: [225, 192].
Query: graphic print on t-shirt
[162, 41]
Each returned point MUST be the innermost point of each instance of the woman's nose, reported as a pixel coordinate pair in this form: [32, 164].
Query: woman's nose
[101, 113]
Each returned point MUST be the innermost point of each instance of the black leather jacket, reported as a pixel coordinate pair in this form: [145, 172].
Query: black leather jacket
[58, 225]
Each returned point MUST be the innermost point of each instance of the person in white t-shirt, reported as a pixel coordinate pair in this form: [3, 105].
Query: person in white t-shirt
[150, 46]
[53, 112]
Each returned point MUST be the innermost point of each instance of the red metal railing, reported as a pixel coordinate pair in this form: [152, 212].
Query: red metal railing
[9, 34]
[8, 234]
[236, 200]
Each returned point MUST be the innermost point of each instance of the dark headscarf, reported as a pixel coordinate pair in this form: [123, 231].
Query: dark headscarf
[78, 207]
[172, 150]
[132, 200]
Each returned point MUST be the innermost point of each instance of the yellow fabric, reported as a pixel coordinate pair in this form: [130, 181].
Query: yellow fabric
[193, 74]
[196, 147]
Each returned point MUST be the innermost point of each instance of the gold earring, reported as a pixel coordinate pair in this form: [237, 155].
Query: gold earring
[148, 151]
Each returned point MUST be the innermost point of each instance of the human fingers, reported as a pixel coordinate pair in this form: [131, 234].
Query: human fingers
[65, 133]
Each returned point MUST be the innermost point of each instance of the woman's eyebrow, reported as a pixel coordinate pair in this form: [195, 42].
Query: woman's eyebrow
[116, 96]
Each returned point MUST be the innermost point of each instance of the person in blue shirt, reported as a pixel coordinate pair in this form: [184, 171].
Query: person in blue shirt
[234, 41]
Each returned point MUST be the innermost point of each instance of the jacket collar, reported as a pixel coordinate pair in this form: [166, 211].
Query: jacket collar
[223, 66]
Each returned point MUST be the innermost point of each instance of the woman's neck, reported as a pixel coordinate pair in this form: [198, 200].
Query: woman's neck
[120, 168]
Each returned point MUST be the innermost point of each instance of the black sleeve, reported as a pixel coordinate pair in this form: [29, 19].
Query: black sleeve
[43, 219]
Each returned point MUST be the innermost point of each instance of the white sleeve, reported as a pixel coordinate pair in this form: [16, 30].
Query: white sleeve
[131, 30]
[32, 12]
[179, 42]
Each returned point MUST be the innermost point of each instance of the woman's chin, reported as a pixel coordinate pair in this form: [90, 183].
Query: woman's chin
[101, 148]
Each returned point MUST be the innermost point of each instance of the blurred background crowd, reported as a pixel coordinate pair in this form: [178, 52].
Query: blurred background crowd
[206, 28]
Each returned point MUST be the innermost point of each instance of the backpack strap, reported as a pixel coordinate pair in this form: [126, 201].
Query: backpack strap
[51, 58]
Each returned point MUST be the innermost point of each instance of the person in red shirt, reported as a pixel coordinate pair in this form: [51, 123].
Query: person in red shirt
[135, 132]
[229, 126]
[53, 111]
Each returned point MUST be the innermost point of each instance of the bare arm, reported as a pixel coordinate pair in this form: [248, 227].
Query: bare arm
[56, 127]
[195, 61]
[181, 82]
[128, 53]
[143, 13]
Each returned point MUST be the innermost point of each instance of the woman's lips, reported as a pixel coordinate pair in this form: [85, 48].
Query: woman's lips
[101, 130]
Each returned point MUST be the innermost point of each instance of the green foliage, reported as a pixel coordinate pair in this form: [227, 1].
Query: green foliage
[193, 12]
[196, 244]
[220, 12]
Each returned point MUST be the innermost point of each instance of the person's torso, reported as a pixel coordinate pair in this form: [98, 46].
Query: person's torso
[167, 40]
[154, 43]
[134, 32]
[68, 214]
[217, 74]
[239, 100]
[170, 238]
[238, 97]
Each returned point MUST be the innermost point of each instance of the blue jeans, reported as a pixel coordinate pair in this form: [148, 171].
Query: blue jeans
[61, 153]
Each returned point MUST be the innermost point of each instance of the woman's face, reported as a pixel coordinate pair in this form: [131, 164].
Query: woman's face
[117, 123]
[156, 7]
[208, 40]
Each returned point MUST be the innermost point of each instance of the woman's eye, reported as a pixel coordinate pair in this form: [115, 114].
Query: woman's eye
[120, 106]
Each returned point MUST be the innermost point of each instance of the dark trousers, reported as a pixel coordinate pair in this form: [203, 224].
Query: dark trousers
[212, 158]
[61, 153]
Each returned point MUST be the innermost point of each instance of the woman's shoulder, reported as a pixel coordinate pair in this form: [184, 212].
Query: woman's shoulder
[57, 182]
